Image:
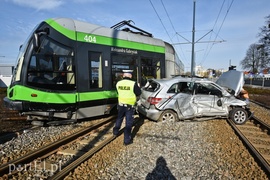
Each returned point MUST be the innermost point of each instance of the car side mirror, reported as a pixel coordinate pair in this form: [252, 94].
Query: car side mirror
[219, 95]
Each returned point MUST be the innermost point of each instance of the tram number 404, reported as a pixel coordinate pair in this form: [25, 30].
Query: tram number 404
[89, 38]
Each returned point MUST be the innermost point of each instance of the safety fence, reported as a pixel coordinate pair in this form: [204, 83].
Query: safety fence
[263, 82]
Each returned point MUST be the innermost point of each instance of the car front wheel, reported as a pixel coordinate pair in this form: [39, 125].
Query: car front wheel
[168, 115]
[239, 115]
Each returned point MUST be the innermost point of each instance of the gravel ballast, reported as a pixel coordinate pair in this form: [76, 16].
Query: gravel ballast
[174, 150]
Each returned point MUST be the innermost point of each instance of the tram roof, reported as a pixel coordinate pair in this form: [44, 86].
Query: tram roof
[85, 27]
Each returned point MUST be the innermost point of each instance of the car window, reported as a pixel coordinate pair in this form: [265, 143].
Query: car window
[183, 87]
[173, 88]
[207, 88]
[151, 86]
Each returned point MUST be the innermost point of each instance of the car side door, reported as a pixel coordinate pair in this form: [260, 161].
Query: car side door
[208, 99]
[185, 107]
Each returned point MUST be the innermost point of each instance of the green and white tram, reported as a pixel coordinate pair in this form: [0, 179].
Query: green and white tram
[67, 69]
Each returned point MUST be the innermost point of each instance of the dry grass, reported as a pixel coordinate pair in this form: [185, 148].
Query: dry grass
[261, 95]
[3, 90]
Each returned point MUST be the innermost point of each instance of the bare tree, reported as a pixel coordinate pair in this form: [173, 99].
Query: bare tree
[253, 58]
[264, 36]
[258, 55]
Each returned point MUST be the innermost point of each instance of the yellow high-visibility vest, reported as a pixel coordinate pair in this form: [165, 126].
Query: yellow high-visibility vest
[125, 92]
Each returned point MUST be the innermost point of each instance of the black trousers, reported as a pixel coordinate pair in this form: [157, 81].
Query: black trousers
[128, 114]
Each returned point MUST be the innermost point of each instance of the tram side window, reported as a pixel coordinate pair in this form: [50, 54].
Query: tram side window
[95, 67]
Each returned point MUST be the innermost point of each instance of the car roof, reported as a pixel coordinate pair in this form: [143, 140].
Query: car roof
[169, 81]
[233, 80]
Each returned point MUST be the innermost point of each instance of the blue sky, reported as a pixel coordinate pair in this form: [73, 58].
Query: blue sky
[234, 22]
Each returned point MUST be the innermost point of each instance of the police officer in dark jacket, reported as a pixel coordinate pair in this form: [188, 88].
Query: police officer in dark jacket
[128, 90]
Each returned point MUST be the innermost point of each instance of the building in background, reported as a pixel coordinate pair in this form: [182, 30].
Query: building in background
[209, 73]
[6, 71]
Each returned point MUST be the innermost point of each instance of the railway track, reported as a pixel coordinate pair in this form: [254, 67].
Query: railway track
[11, 115]
[260, 104]
[60, 148]
[255, 134]
[8, 136]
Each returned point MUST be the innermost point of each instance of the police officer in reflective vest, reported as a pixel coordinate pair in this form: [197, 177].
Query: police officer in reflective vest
[128, 90]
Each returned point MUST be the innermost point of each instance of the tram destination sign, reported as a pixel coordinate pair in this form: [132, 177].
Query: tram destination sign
[124, 50]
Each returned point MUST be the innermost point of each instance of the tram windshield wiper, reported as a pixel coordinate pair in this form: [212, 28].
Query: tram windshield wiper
[36, 36]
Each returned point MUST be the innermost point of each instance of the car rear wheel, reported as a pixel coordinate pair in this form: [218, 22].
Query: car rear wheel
[239, 115]
[168, 115]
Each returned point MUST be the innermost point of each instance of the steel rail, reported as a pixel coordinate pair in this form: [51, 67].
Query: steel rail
[260, 104]
[64, 172]
[261, 123]
[9, 136]
[254, 151]
[51, 147]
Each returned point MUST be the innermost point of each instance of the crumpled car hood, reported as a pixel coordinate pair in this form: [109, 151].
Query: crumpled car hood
[233, 80]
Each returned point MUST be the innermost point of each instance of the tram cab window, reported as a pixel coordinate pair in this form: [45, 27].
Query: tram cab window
[95, 67]
[51, 66]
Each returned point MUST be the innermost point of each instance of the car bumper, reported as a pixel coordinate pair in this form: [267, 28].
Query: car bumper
[150, 113]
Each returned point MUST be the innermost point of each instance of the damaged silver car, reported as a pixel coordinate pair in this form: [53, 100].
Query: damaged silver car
[182, 98]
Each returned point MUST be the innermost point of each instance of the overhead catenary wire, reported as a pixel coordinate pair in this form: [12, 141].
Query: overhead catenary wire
[212, 42]
[205, 53]
[160, 20]
[164, 25]
[227, 12]
[184, 58]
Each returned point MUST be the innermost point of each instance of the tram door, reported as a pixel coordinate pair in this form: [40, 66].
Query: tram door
[122, 62]
[150, 69]
[143, 68]
[94, 97]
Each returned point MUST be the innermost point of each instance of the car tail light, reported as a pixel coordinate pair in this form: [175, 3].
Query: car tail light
[153, 100]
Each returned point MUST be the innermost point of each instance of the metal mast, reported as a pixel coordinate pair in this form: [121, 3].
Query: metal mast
[193, 43]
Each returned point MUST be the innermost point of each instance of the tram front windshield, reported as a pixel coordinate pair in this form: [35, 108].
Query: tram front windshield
[51, 66]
